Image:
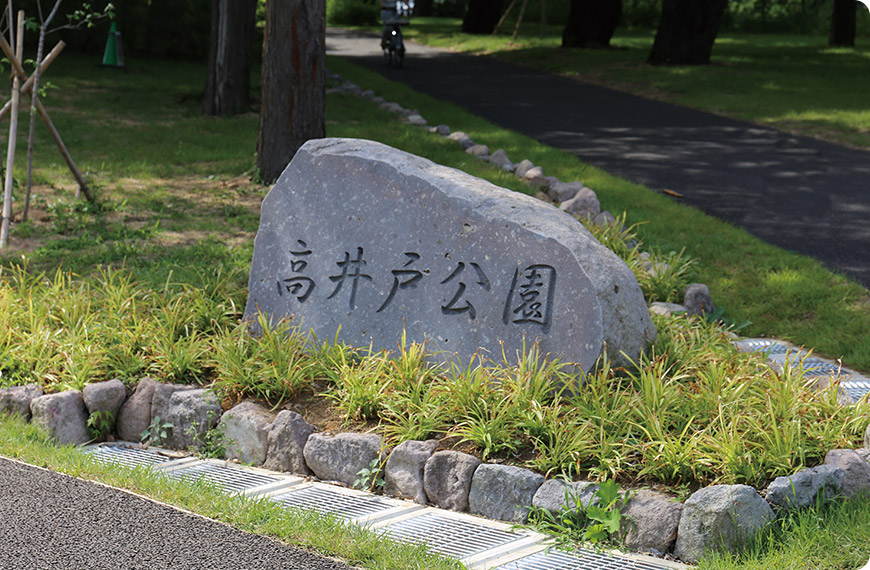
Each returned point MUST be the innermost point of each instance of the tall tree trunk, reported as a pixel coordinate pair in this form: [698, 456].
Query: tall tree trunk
[591, 23]
[482, 16]
[843, 23]
[424, 7]
[294, 82]
[229, 61]
[687, 31]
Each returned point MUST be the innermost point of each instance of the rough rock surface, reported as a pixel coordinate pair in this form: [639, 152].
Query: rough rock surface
[855, 464]
[532, 173]
[287, 438]
[800, 490]
[564, 191]
[16, 400]
[584, 203]
[447, 479]
[698, 301]
[500, 159]
[246, 428]
[667, 309]
[416, 120]
[367, 220]
[650, 522]
[160, 400]
[134, 417]
[605, 218]
[478, 150]
[542, 183]
[503, 492]
[341, 457]
[555, 495]
[867, 438]
[64, 416]
[442, 130]
[720, 518]
[192, 413]
[463, 139]
[106, 396]
[403, 473]
[522, 167]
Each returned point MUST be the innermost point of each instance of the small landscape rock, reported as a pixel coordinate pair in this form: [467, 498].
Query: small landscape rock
[403, 473]
[160, 400]
[246, 429]
[531, 173]
[393, 108]
[542, 183]
[378, 100]
[105, 396]
[368, 94]
[192, 413]
[564, 191]
[500, 158]
[478, 150]
[442, 130]
[698, 301]
[503, 492]
[605, 218]
[416, 120]
[287, 438]
[584, 204]
[867, 438]
[667, 309]
[650, 522]
[447, 479]
[720, 518]
[64, 416]
[341, 457]
[799, 491]
[855, 464]
[463, 139]
[555, 495]
[16, 400]
[522, 167]
[134, 416]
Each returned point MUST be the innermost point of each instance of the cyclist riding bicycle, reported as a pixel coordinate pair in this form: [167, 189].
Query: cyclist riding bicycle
[393, 14]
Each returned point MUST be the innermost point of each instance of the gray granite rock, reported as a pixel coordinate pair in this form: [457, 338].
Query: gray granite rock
[287, 438]
[463, 139]
[531, 173]
[246, 429]
[720, 518]
[442, 130]
[650, 521]
[160, 400]
[564, 191]
[584, 203]
[478, 150]
[15, 401]
[697, 300]
[800, 490]
[542, 183]
[503, 492]
[378, 100]
[395, 108]
[370, 243]
[403, 473]
[522, 167]
[556, 495]
[855, 464]
[105, 396]
[867, 438]
[447, 479]
[416, 120]
[134, 417]
[605, 218]
[667, 309]
[64, 416]
[368, 94]
[500, 159]
[341, 457]
[191, 413]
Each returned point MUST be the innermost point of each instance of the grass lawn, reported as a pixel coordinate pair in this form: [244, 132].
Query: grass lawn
[791, 82]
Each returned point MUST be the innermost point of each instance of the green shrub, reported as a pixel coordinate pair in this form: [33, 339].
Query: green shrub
[351, 13]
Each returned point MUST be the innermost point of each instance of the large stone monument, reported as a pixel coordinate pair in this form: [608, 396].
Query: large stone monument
[367, 240]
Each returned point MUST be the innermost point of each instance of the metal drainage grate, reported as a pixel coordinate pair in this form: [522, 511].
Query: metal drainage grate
[754, 344]
[229, 479]
[449, 536]
[778, 348]
[327, 501]
[856, 389]
[579, 560]
[815, 367]
[129, 456]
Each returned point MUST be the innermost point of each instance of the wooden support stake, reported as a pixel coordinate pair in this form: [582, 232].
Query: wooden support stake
[519, 20]
[83, 187]
[13, 132]
[28, 85]
[504, 17]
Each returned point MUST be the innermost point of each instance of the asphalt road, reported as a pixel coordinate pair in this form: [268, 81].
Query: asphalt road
[52, 521]
[797, 193]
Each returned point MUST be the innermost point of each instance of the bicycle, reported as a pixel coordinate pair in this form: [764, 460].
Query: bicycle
[392, 43]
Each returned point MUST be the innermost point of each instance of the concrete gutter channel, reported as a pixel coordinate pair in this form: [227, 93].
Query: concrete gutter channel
[476, 542]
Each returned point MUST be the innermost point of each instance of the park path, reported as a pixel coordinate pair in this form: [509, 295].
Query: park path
[48, 520]
[798, 193]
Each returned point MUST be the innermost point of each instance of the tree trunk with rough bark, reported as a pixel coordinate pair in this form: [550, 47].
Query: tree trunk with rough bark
[591, 23]
[293, 103]
[229, 62]
[482, 16]
[687, 31]
[843, 23]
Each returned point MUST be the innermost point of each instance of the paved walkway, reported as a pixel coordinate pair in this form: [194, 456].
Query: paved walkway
[798, 193]
[48, 520]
